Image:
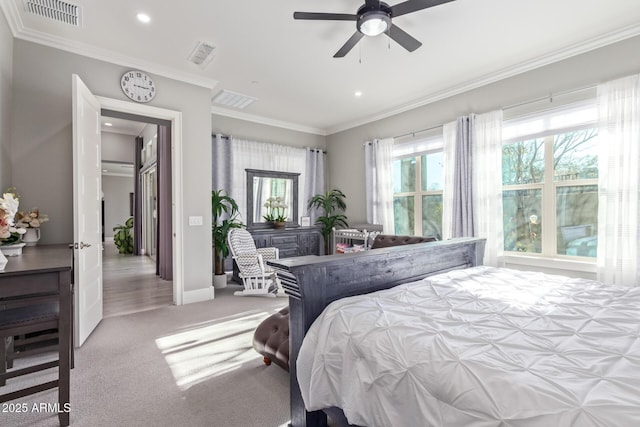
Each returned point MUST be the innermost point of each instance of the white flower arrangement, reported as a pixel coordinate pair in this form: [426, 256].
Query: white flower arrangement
[10, 232]
[275, 209]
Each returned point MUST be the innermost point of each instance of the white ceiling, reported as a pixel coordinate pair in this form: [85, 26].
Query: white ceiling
[262, 52]
[126, 127]
[117, 169]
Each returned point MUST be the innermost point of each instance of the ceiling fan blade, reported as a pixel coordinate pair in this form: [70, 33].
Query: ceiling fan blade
[403, 39]
[355, 38]
[325, 16]
[414, 6]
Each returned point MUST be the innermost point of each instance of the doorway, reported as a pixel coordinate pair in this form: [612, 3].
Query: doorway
[86, 111]
[130, 281]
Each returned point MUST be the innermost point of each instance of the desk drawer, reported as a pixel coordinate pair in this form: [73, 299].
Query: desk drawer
[29, 284]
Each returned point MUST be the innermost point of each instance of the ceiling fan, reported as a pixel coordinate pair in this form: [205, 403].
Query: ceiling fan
[374, 18]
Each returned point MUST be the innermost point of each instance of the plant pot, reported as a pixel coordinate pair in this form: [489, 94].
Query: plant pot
[12, 250]
[279, 224]
[219, 281]
[31, 237]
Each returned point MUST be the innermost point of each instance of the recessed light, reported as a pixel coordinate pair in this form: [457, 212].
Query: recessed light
[358, 94]
[108, 124]
[105, 170]
[144, 18]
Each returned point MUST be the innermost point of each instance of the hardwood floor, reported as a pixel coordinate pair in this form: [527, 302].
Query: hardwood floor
[130, 284]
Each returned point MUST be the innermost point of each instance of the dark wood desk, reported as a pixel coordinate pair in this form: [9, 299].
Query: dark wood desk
[42, 270]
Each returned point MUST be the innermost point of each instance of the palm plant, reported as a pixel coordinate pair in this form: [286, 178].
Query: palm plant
[224, 210]
[333, 204]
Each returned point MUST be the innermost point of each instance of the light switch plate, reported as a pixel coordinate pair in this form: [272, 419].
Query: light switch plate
[195, 220]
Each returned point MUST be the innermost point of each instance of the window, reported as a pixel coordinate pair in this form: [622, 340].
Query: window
[550, 184]
[417, 189]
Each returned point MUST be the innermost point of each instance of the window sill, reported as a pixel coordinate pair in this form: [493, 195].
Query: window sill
[568, 264]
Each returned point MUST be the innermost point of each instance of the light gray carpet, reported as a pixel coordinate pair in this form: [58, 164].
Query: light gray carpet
[176, 366]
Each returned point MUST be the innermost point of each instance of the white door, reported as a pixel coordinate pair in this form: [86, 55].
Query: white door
[87, 224]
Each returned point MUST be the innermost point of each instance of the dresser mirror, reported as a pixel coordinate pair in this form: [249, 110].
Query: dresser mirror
[264, 187]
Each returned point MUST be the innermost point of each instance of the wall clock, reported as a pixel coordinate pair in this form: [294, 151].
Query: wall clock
[138, 86]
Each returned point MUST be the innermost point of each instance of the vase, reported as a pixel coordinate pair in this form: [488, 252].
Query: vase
[279, 224]
[3, 263]
[31, 237]
[12, 250]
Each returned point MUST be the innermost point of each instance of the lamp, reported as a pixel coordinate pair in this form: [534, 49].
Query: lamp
[374, 23]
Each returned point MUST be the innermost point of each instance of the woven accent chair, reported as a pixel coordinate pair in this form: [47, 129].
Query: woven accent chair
[257, 277]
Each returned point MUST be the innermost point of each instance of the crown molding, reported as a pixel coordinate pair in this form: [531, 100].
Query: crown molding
[559, 55]
[16, 25]
[19, 31]
[267, 121]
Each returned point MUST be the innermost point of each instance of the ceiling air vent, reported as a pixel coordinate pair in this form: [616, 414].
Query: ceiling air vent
[55, 10]
[232, 99]
[202, 54]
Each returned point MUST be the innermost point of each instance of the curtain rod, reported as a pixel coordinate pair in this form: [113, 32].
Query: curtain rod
[418, 131]
[549, 97]
[308, 148]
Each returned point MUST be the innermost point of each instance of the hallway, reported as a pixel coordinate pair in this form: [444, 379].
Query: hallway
[130, 284]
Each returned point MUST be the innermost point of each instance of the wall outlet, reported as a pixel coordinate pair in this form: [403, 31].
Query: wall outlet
[195, 220]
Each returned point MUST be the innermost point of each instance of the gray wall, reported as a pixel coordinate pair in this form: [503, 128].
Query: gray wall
[6, 89]
[265, 133]
[42, 143]
[117, 147]
[345, 152]
[116, 191]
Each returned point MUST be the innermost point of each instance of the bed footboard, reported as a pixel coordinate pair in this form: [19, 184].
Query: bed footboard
[312, 282]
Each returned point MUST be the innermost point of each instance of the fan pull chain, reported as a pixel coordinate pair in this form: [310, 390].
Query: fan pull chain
[360, 53]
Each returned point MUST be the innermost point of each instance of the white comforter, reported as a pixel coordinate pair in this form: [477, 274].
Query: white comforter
[479, 347]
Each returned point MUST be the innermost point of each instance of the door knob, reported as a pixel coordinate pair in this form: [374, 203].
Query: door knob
[84, 245]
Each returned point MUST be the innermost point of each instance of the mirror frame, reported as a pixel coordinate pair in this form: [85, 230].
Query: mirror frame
[253, 173]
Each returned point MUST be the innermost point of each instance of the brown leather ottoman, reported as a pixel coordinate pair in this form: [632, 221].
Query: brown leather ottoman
[271, 339]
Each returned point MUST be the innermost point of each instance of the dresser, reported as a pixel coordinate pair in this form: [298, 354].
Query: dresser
[290, 242]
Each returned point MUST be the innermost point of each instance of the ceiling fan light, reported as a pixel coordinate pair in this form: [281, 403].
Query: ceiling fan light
[374, 23]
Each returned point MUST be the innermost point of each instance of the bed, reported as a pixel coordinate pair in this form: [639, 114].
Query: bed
[474, 345]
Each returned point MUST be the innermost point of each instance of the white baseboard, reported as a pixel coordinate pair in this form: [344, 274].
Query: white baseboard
[198, 295]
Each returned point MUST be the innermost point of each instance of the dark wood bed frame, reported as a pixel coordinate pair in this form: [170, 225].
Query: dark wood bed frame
[312, 282]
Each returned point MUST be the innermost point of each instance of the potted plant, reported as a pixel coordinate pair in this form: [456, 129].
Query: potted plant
[224, 217]
[123, 237]
[31, 221]
[333, 204]
[276, 212]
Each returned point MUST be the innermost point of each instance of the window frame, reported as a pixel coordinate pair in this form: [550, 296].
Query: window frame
[421, 147]
[549, 186]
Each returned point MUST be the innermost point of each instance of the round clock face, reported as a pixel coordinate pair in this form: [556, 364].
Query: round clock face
[138, 86]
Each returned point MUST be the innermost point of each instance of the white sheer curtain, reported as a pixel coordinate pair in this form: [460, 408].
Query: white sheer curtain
[484, 131]
[378, 156]
[487, 185]
[619, 140]
[449, 131]
[232, 156]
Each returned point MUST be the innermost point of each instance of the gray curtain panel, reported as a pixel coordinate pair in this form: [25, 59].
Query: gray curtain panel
[313, 180]
[137, 191]
[463, 225]
[221, 158]
[164, 252]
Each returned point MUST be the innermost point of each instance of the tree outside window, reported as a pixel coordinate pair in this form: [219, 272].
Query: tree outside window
[550, 194]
